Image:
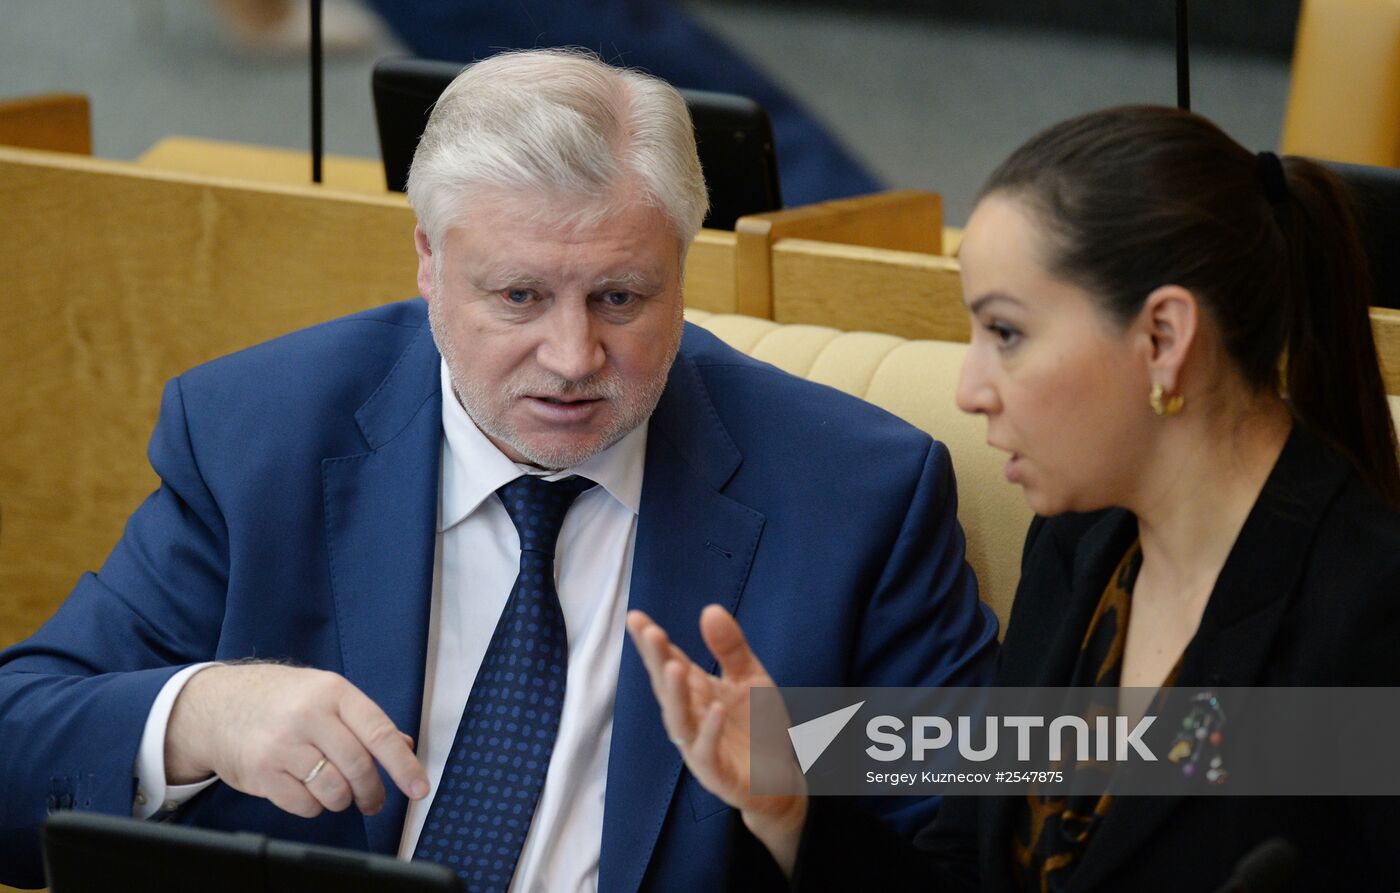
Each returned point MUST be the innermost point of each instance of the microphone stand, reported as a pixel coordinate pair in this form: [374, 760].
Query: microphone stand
[1183, 60]
[316, 91]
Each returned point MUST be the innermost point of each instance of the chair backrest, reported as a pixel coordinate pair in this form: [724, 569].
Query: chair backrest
[1385, 324]
[915, 380]
[1344, 97]
[117, 279]
[1377, 194]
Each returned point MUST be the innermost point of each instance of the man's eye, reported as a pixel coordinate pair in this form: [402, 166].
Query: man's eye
[618, 298]
[520, 296]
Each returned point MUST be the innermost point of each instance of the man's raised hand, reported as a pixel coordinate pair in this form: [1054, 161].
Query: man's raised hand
[707, 718]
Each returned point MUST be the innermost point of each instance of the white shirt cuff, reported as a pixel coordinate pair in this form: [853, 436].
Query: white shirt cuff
[153, 795]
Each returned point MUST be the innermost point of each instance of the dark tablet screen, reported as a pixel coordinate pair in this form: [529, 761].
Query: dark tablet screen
[86, 852]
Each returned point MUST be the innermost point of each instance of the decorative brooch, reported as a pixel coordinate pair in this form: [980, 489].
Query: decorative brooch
[1199, 739]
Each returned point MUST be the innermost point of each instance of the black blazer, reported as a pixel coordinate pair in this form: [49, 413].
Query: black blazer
[1310, 595]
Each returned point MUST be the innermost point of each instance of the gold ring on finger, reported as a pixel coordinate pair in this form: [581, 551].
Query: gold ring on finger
[315, 771]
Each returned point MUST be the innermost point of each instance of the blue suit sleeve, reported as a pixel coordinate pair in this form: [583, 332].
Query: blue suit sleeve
[925, 621]
[74, 696]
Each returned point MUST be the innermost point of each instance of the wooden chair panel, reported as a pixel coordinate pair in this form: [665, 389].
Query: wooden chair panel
[117, 279]
[56, 122]
[902, 220]
[868, 289]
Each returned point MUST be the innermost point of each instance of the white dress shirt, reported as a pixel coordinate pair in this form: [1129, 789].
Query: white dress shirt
[477, 558]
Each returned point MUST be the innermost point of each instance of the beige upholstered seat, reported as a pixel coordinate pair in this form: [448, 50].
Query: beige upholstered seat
[914, 380]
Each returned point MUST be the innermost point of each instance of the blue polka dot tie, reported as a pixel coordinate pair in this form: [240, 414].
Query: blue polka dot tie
[492, 779]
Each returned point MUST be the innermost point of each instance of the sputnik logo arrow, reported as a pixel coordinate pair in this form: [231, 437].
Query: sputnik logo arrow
[810, 739]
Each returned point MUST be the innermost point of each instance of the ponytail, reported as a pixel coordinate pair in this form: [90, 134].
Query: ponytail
[1137, 197]
[1332, 372]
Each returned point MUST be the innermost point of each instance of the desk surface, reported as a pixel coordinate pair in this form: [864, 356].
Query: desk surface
[264, 164]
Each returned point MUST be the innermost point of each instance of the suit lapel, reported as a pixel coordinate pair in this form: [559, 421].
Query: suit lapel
[1075, 592]
[1101, 549]
[1237, 629]
[694, 547]
[380, 517]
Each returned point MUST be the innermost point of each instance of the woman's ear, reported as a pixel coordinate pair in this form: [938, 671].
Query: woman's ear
[1169, 322]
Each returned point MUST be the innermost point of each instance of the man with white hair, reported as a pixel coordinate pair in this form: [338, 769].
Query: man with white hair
[390, 557]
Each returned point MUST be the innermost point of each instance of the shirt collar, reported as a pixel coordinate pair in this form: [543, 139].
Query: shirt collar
[473, 468]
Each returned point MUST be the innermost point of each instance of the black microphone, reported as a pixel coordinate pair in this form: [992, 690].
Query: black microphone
[1267, 868]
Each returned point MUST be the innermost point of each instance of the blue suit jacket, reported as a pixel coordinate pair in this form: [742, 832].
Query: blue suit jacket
[295, 521]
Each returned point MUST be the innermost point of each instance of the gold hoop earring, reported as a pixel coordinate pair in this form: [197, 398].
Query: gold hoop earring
[1164, 407]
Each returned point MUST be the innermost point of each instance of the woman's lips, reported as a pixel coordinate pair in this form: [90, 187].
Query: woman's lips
[1013, 468]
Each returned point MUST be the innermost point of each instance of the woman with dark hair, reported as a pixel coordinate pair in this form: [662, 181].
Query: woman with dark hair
[1171, 340]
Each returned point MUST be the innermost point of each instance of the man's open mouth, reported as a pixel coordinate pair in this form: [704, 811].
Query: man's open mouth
[564, 401]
